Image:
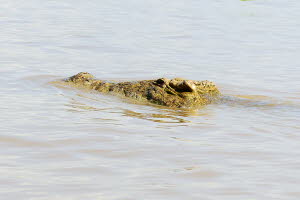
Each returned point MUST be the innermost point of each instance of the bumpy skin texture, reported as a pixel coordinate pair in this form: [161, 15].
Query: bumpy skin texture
[176, 92]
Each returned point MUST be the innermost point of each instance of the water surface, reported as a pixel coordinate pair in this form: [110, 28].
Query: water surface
[64, 143]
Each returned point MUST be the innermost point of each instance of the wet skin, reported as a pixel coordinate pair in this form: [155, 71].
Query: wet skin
[175, 92]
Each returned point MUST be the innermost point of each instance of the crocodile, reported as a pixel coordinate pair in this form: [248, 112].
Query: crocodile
[176, 93]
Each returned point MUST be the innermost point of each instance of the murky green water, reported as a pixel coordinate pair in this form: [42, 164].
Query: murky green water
[58, 143]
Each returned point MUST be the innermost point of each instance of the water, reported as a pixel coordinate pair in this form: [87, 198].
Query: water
[59, 143]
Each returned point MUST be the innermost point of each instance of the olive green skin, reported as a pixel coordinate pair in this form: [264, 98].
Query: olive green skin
[177, 93]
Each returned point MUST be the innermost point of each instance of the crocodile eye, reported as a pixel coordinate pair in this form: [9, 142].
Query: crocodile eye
[160, 81]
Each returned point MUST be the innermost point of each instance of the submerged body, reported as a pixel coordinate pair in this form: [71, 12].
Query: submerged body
[176, 92]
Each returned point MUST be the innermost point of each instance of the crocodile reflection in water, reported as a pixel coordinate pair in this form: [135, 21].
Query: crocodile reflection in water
[178, 93]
